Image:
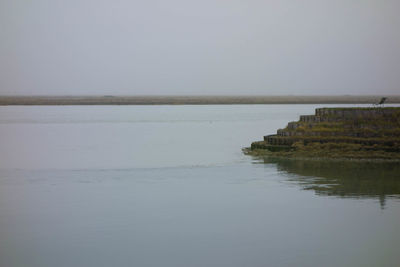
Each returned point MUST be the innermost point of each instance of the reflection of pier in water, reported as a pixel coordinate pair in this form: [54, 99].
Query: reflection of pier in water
[344, 179]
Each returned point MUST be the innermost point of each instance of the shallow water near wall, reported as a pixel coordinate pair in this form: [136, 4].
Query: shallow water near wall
[170, 186]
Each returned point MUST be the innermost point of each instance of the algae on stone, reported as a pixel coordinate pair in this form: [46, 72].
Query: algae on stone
[359, 133]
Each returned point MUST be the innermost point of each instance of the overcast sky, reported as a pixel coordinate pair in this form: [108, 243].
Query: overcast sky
[202, 47]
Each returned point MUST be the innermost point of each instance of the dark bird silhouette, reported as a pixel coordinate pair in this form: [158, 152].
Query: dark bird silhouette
[381, 102]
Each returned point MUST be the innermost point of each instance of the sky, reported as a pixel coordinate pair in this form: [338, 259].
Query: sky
[207, 47]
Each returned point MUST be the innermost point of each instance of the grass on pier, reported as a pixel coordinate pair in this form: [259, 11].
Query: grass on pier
[330, 151]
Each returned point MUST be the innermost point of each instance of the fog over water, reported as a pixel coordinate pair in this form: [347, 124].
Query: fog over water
[199, 47]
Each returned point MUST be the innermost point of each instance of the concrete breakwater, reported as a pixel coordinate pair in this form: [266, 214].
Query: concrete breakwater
[361, 129]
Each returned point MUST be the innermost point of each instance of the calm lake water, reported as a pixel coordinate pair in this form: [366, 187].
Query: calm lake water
[169, 186]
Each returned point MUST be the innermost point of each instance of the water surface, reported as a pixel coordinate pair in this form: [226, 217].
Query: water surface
[169, 186]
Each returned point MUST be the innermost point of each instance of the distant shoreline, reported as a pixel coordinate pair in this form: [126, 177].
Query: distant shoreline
[190, 100]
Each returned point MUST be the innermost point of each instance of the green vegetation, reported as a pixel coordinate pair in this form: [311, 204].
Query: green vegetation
[327, 150]
[368, 133]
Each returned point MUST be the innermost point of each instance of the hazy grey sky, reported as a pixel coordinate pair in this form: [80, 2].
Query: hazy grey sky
[199, 47]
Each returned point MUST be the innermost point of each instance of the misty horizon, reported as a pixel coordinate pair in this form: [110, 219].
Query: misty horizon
[199, 48]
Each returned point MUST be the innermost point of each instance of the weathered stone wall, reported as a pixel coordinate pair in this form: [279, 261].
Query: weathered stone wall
[352, 113]
[293, 125]
[288, 141]
[310, 118]
[368, 126]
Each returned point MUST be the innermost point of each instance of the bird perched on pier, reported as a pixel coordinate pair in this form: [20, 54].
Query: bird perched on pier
[381, 102]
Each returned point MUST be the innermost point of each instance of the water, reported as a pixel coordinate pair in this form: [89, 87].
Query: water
[169, 186]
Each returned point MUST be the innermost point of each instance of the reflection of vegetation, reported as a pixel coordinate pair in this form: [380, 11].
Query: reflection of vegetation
[345, 179]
